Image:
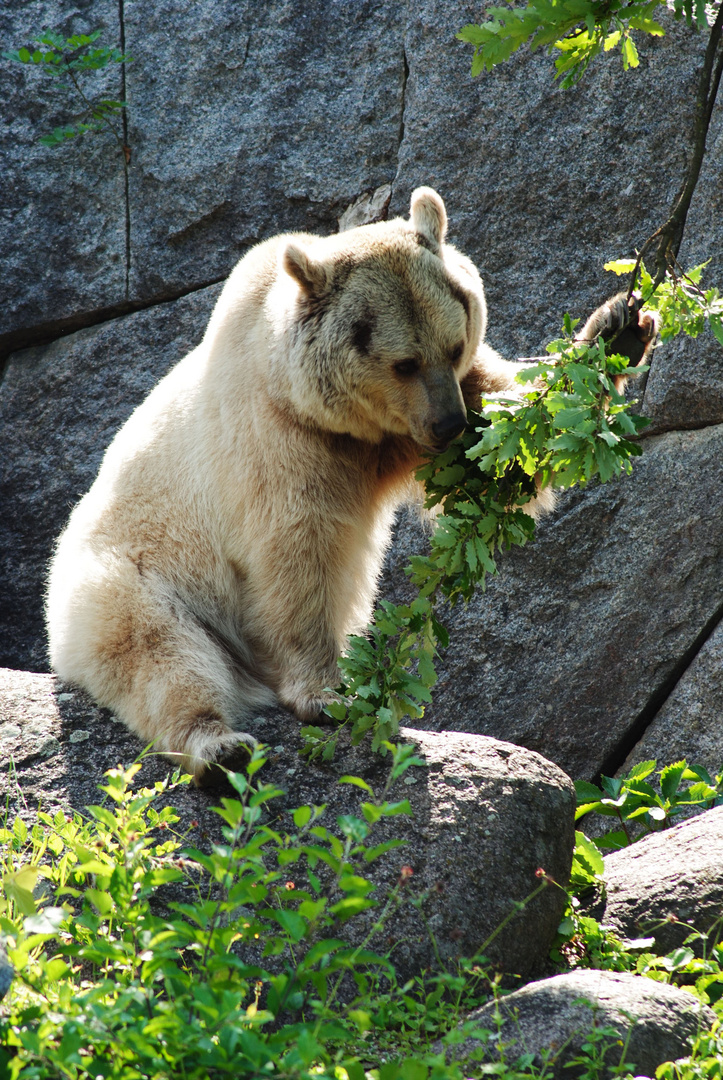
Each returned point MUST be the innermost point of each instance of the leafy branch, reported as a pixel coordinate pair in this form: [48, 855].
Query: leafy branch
[568, 425]
[68, 61]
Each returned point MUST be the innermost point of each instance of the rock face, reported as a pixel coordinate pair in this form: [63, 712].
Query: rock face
[688, 722]
[598, 645]
[553, 1016]
[486, 816]
[63, 221]
[667, 883]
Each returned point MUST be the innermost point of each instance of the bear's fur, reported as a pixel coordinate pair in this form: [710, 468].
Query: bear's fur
[236, 530]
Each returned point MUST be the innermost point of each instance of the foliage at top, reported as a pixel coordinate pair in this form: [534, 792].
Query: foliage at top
[69, 62]
[683, 305]
[577, 29]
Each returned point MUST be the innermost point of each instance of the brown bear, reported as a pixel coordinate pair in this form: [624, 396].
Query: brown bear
[235, 532]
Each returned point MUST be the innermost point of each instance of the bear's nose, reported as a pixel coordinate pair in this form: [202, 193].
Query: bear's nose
[448, 428]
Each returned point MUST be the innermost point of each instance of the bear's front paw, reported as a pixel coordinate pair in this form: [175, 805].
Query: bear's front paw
[619, 320]
[231, 752]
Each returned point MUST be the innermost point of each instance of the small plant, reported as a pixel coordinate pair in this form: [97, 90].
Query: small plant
[640, 808]
[705, 1061]
[571, 427]
[70, 62]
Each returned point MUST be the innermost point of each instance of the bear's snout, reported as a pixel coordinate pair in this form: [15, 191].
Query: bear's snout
[448, 428]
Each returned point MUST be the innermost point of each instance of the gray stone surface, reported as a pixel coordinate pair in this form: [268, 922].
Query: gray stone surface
[246, 120]
[553, 1016]
[685, 385]
[688, 724]
[487, 815]
[282, 114]
[60, 405]
[584, 627]
[558, 182]
[62, 211]
[665, 884]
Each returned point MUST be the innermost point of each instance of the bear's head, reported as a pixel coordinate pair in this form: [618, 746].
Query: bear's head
[386, 320]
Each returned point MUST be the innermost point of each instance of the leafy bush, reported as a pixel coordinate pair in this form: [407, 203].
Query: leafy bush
[640, 808]
[246, 975]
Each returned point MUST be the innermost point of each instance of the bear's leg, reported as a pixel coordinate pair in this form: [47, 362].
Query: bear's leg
[303, 615]
[141, 652]
[308, 671]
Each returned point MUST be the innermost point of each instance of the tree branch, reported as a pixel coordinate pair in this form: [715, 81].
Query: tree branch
[667, 237]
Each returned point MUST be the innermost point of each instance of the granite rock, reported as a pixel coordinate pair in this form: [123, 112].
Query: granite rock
[666, 884]
[549, 1019]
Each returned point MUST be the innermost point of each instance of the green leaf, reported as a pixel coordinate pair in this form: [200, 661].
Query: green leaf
[357, 781]
[350, 906]
[642, 770]
[670, 778]
[302, 816]
[587, 852]
[620, 266]
[18, 887]
[630, 54]
[293, 923]
[587, 792]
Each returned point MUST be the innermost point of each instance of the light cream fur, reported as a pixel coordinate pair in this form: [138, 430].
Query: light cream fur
[235, 532]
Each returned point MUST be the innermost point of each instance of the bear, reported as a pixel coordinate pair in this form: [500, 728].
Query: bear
[235, 533]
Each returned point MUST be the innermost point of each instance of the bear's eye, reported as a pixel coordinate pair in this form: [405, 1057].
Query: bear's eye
[407, 367]
[456, 353]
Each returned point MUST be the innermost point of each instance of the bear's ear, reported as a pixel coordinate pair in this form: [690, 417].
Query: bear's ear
[428, 216]
[311, 275]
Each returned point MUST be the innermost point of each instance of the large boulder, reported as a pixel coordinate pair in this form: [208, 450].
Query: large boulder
[551, 1019]
[486, 816]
